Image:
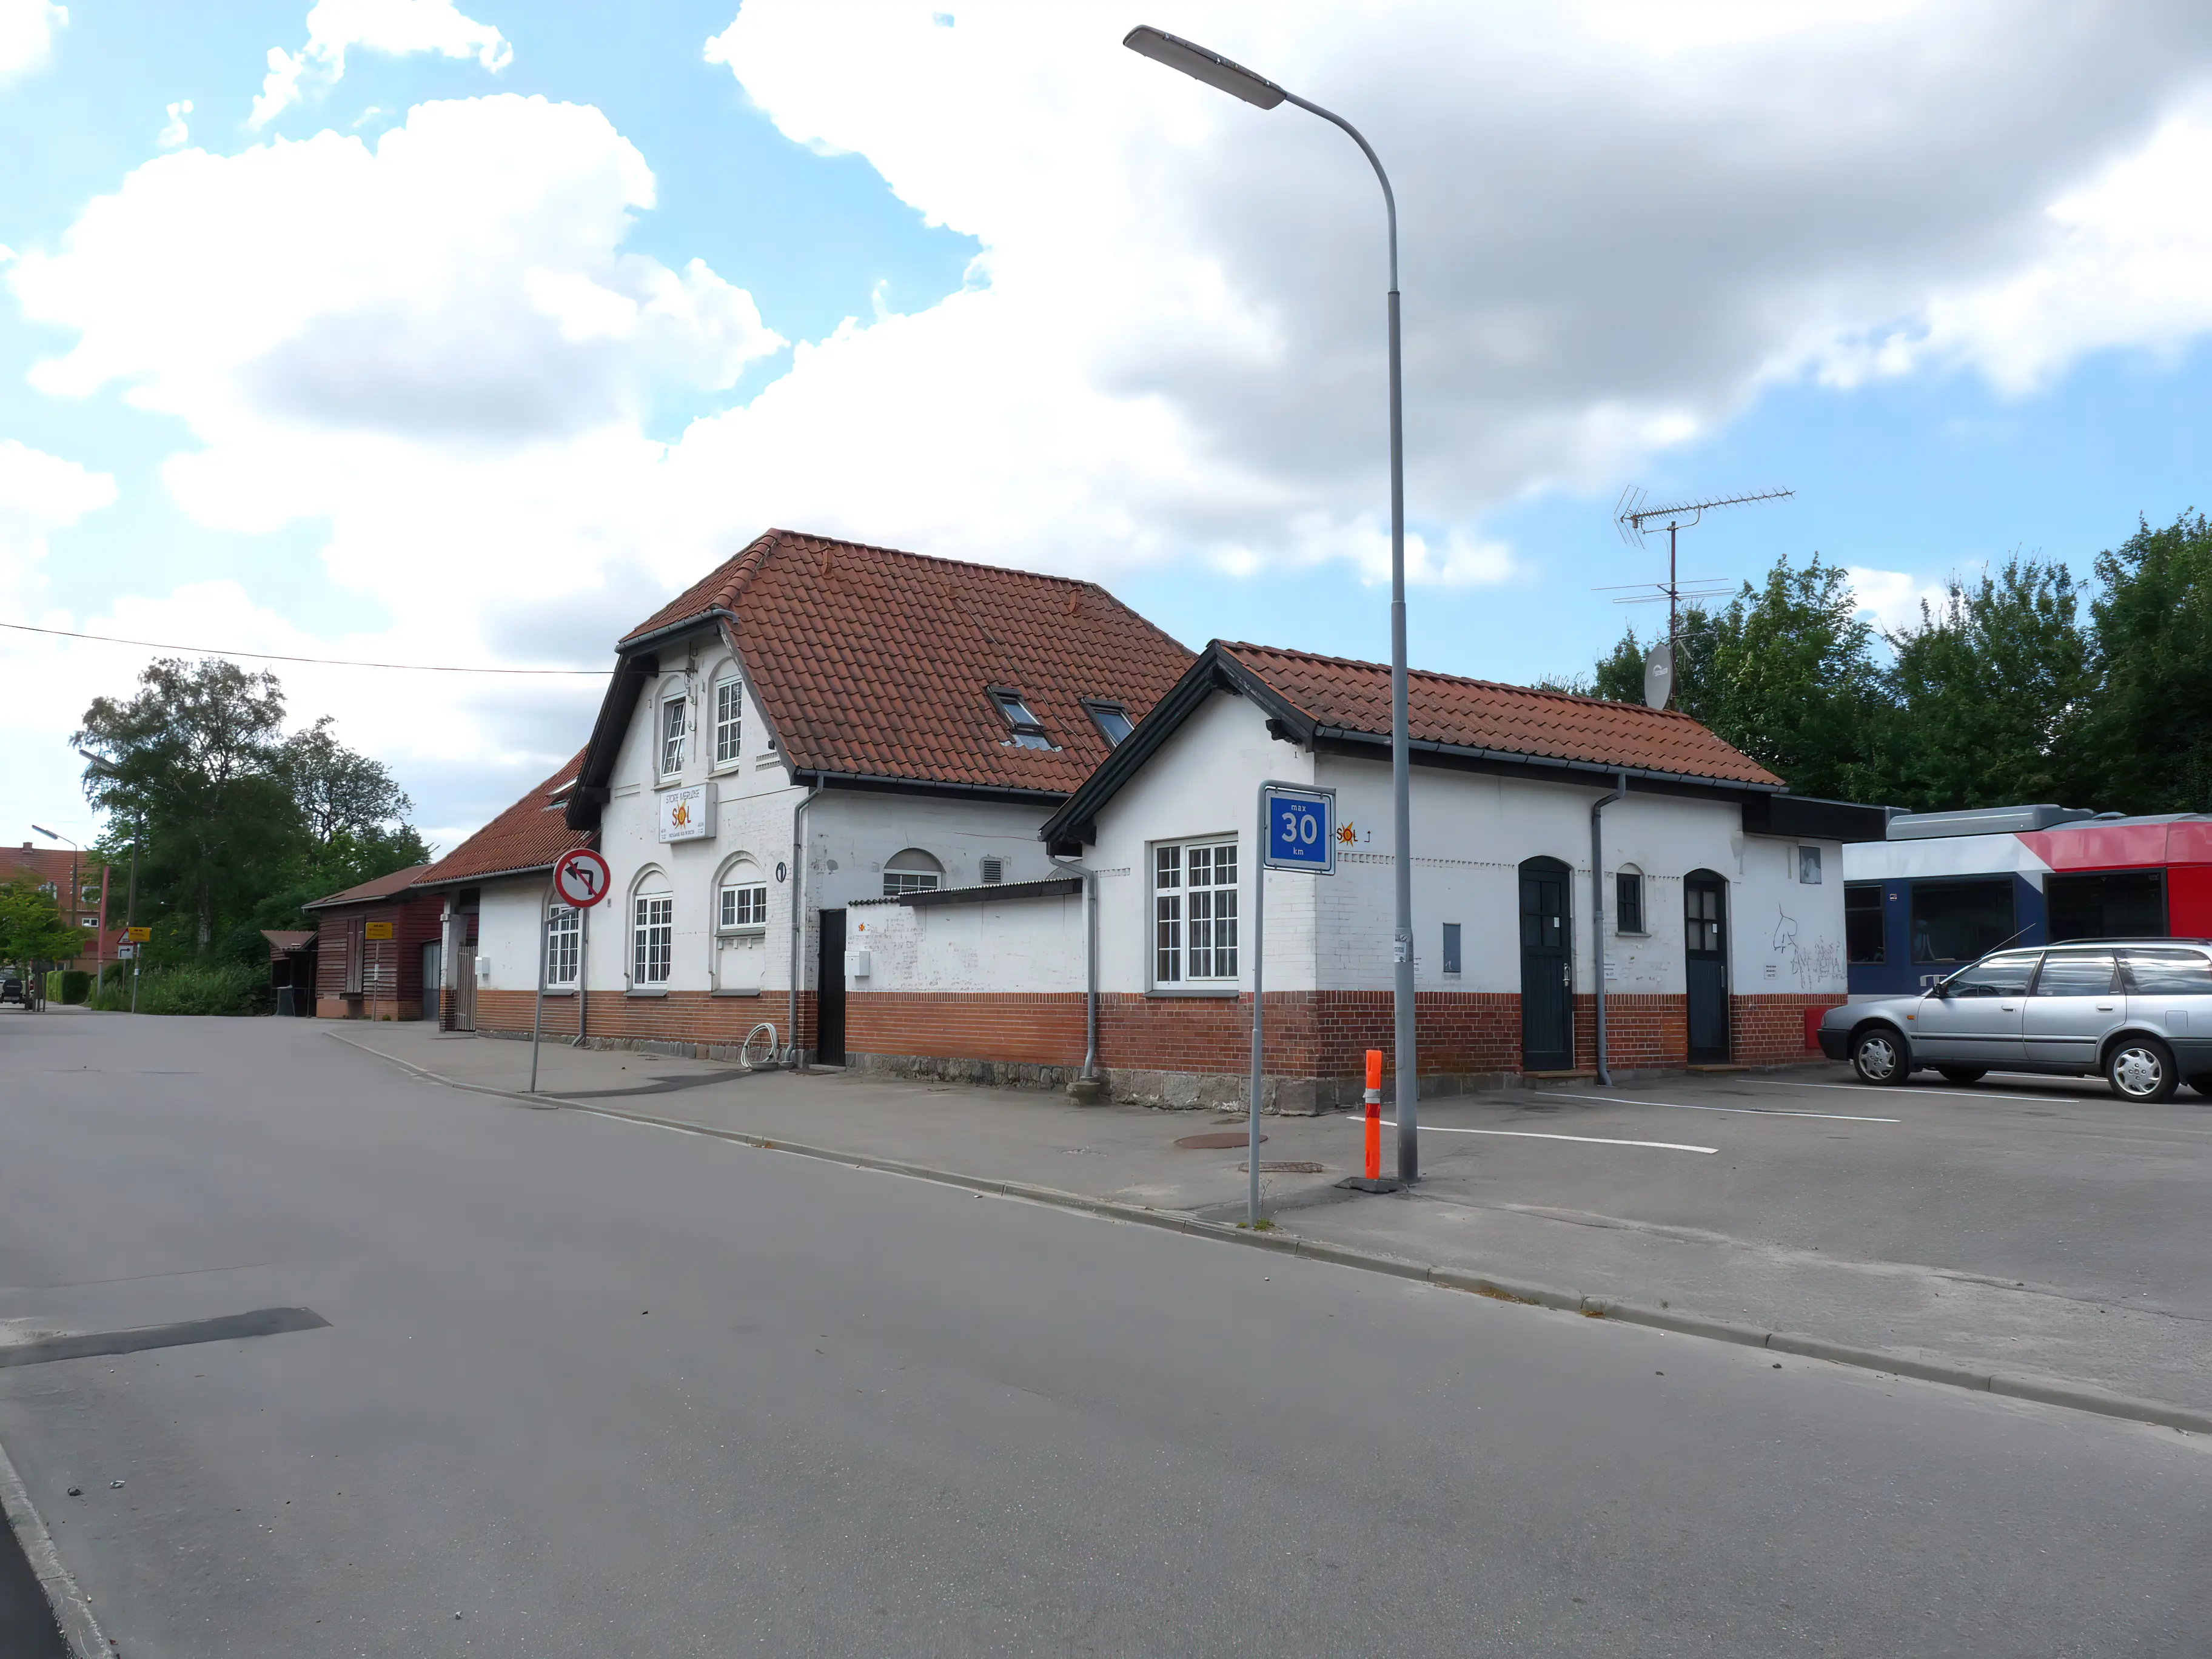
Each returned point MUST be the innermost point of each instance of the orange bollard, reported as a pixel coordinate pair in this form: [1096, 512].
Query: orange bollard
[1374, 1113]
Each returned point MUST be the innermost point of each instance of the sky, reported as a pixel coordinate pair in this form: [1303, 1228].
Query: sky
[465, 332]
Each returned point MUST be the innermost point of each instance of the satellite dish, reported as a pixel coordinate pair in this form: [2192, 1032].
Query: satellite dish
[1658, 675]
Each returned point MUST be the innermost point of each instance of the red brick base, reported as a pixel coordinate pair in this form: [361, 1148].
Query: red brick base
[684, 1019]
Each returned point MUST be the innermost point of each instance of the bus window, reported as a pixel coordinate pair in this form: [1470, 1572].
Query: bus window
[1862, 922]
[2115, 904]
[1961, 921]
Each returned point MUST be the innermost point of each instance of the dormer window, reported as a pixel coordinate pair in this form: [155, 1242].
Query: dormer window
[1029, 731]
[1111, 719]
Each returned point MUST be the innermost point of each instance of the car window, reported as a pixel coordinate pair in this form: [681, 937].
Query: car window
[2169, 973]
[2065, 975]
[2000, 976]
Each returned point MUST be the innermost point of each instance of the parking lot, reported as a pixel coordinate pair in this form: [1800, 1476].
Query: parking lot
[2037, 1223]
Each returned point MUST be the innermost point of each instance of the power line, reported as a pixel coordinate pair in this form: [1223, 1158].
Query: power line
[276, 656]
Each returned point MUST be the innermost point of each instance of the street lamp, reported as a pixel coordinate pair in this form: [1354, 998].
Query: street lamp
[1238, 81]
[76, 891]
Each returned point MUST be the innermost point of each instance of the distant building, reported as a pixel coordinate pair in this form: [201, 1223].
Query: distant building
[369, 947]
[53, 868]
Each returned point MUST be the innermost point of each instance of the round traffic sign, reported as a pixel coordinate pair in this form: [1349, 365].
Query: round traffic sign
[582, 877]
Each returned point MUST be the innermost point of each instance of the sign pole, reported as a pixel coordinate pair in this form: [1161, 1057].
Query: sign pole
[1296, 829]
[538, 1014]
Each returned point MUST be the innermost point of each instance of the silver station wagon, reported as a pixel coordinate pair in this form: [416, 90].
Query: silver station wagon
[2137, 1012]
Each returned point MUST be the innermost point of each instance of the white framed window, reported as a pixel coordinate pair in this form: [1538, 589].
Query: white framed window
[672, 731]
[742, 903]
[653, 938]
[1194, 912]
[564, 935]
[729, 719]
[912, 871]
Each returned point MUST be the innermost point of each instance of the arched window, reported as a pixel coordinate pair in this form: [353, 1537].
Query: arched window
[911, 872]
[740, 896]
[1628, 900]
[653, 930]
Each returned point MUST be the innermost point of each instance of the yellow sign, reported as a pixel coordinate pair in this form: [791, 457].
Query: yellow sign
[377, 930]
[137, 935]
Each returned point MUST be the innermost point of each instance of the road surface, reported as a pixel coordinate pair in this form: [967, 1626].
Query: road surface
[590, 1387]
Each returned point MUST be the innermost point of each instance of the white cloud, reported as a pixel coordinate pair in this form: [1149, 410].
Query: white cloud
[396, 27]
[174, 134]
[27, 35]
[1891, 599]
[38, 494]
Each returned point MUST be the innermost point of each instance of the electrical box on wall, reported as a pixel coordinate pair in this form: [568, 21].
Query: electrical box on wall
[857, 962]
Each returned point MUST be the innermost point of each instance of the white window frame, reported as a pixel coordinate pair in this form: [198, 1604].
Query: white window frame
[564, 939]
[729, 719]
[652, 939]
[741, 901]
[1188, 919]
[673, 737]
[897, 883]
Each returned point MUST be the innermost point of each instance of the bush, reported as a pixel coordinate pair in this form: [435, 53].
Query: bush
[198, 989]
[76, 984]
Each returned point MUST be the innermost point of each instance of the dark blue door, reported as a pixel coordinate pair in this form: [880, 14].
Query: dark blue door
[1705, 906]
[1547, 1024]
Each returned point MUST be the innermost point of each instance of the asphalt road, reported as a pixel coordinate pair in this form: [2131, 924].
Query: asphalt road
[600, 1387]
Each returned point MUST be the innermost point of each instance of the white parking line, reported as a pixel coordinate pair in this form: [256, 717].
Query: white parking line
[1747, 1111]
[1534, 1134]
[1919, 1089]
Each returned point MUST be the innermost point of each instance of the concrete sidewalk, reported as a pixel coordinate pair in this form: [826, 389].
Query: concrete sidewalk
[1792, 1204]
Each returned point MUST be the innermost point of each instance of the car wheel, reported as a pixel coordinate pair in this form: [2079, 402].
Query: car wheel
[2142, 1068]
[1963, 1074]
[1878, 1056]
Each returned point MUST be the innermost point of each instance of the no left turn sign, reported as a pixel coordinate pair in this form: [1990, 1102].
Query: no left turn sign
[581, 877]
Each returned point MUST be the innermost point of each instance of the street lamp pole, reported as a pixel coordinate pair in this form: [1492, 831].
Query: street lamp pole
[77, 892]
[1238, 81]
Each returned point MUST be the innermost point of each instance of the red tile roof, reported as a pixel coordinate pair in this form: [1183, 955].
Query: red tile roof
[528, 837]
[1514, 719]
[875, 663]
[383, 887]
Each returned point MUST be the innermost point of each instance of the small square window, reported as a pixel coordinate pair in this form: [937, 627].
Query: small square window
[1451, 947]
[1809, 865]
[744, 904]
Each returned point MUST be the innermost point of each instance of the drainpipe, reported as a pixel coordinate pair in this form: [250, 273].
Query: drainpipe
[1597, 909]
[1090, 1072]
[791, 1049]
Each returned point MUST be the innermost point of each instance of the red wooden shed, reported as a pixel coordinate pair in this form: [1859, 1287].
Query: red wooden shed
[369, 956]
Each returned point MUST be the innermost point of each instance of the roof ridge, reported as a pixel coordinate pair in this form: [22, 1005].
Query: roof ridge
[1454, 679]
[936, 558]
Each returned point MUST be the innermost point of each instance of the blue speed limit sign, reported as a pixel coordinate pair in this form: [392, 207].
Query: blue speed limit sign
[1300, 830]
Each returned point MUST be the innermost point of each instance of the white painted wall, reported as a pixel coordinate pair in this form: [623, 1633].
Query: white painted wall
[1024, 944]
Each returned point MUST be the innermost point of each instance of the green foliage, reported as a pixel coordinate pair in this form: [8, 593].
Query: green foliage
[1990, 688]
[33, 929]
[76, 984]
[2145, 746]
[203, 989]
[234, 825]
[2003, 692]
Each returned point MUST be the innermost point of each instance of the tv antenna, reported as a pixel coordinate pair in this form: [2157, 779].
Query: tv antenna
[1635, 521]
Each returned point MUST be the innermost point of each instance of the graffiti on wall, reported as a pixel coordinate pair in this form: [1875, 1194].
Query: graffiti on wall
[1817, 964]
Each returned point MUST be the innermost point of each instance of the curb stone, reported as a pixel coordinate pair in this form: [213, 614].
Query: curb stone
[2041, 1390]
[72, 1606]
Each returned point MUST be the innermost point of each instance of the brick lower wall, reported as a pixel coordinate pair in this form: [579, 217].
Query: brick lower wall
[1770, 1030]
[688, 1021]
[365, 1007]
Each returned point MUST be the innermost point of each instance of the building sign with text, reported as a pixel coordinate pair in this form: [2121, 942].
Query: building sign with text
[686, 814]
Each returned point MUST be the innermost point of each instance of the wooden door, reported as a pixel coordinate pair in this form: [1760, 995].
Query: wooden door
[464, 988]
[1547, 1020]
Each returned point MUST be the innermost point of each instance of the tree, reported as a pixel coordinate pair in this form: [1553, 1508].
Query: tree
[1786, 673]
[1992, 689]
[33, 928]
[190, 772]
[2142, 743]
[339, 793]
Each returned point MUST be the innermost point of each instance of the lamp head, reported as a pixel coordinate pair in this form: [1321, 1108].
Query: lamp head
[47, 833]
[1199, 64]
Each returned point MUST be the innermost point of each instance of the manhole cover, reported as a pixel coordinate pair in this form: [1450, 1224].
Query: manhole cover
[1268, 1166]
[1216, 1143]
